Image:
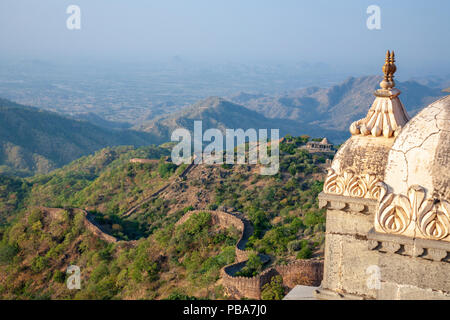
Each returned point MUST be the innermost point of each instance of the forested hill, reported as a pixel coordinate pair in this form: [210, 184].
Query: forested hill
[37, 141]
[216, 112]
[44, 229]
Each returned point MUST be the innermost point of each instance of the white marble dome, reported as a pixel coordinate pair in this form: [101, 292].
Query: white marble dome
[420, 154]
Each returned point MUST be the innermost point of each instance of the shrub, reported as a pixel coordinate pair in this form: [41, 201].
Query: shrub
[59, 276]
[273, 290]
[7, 253]
[166, 169]
[304, 253]
[296, 245]
[213, 206]
[253, 266]
[39, 263]
[99, 273]
[187, 209]
[180, 296]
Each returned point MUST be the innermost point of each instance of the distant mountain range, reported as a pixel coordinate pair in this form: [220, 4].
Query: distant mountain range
[219, 113]
[37, 141]
[338, 106]
[314, 111]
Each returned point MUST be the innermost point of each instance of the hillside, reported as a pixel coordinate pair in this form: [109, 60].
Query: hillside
[219, 113]
[37, 141]
[337, 106]
[154, 257]
[101, 122]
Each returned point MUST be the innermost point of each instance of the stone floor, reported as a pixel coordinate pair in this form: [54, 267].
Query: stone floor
[301, 293]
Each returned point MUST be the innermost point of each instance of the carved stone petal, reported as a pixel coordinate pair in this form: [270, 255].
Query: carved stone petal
[394, 214]
[372, 244]
[322, 203]
[414, 250]
[338, 205]
[433, 222]
[436, 254]
[356, 207]
[391, 247]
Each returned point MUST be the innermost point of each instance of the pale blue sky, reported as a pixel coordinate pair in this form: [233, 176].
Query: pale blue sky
[329, 31]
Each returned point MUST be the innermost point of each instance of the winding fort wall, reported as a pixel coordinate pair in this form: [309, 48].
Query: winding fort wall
[300, 272]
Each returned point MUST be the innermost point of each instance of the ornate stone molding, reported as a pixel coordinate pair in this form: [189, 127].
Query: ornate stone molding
[347, 204]
[352, 185]
[419, 248]
[413, 214]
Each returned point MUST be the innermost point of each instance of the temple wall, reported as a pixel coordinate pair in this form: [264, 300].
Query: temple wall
[361, 264]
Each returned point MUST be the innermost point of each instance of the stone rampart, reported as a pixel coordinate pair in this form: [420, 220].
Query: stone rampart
[301, 272]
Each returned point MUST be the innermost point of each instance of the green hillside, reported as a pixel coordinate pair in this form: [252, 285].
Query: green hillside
[37, 141]
[38, 243]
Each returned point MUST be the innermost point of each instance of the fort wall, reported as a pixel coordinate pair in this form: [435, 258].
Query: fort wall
[303, 272]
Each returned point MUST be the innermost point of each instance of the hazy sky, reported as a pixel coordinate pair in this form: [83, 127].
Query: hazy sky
[329, 31]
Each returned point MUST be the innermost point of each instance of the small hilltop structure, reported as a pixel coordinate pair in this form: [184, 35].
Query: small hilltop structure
[319, 146]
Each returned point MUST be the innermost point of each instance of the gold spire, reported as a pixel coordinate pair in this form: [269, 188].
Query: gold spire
[389, 69]
[387, 66]
[392, 69]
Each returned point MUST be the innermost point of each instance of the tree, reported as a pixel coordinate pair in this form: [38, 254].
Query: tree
[304, 253]
[273, 290]
[59, 276]
[7, 253]
[39, 264]
[252, 267]
[166, 169]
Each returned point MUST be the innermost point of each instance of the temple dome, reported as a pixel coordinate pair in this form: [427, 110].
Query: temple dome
[420, 154]
[361, 161]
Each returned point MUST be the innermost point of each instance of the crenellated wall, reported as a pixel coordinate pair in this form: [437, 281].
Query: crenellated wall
[139, 160]
[304, 272]
[301, 272]
[96, 230]
[55, 213]
[249, 287]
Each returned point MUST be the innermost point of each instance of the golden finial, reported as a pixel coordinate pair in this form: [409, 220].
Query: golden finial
[387, 67]
[393, 68]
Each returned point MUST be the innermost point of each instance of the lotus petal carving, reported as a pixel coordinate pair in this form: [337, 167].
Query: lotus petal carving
[350, 184]
[434, 219]
[397, 211]
[394, 214]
